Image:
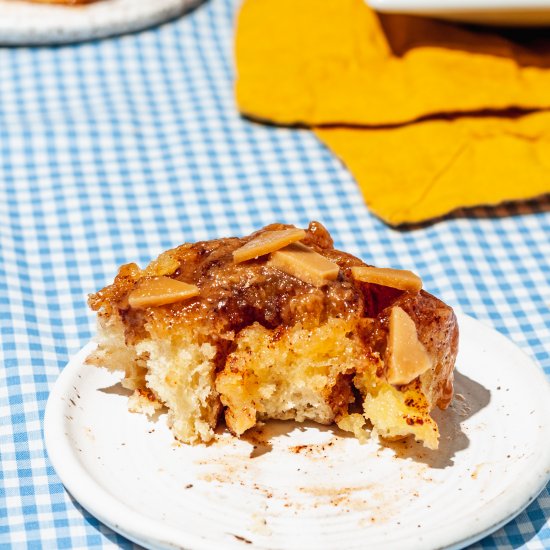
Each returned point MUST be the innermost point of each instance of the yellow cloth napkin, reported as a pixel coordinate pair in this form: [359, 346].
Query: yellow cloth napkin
[331, 62]
[428, 169]
[339, 62]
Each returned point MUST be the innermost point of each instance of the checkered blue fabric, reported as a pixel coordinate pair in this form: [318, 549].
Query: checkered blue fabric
[113, 151]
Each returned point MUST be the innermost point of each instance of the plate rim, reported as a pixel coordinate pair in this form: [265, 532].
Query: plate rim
[487, 13]
[86, 491]
[473, 6]
[81, 23]
[114, 513]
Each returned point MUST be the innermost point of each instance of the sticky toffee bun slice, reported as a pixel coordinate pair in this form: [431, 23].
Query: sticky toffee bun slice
[282, 325]
[64, 2]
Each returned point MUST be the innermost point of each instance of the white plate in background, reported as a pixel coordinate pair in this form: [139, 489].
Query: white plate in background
[301, 486]
[26, 23]
[485, 12]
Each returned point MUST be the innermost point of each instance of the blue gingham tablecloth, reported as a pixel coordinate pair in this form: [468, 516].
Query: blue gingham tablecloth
[115, 150]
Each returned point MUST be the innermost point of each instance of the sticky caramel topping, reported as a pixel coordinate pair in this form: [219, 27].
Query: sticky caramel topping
[408, 357]
[266, 242]
[160, 291]
[395, 278]
[305, 264]
[235, 295]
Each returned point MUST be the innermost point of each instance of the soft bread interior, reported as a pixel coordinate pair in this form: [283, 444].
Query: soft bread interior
[181, 374]
[285, 373]
[318, 373]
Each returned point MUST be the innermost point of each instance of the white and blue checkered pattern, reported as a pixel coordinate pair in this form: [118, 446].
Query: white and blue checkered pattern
[115, 150]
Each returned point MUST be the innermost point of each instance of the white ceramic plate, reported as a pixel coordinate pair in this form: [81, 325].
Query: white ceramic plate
[486, 12]
[27, 23]
[300, 486]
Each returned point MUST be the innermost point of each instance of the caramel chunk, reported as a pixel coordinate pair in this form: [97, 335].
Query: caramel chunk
[395, 278]
[305, 264]
[408, 357]
[159, 291]
[266, 242]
